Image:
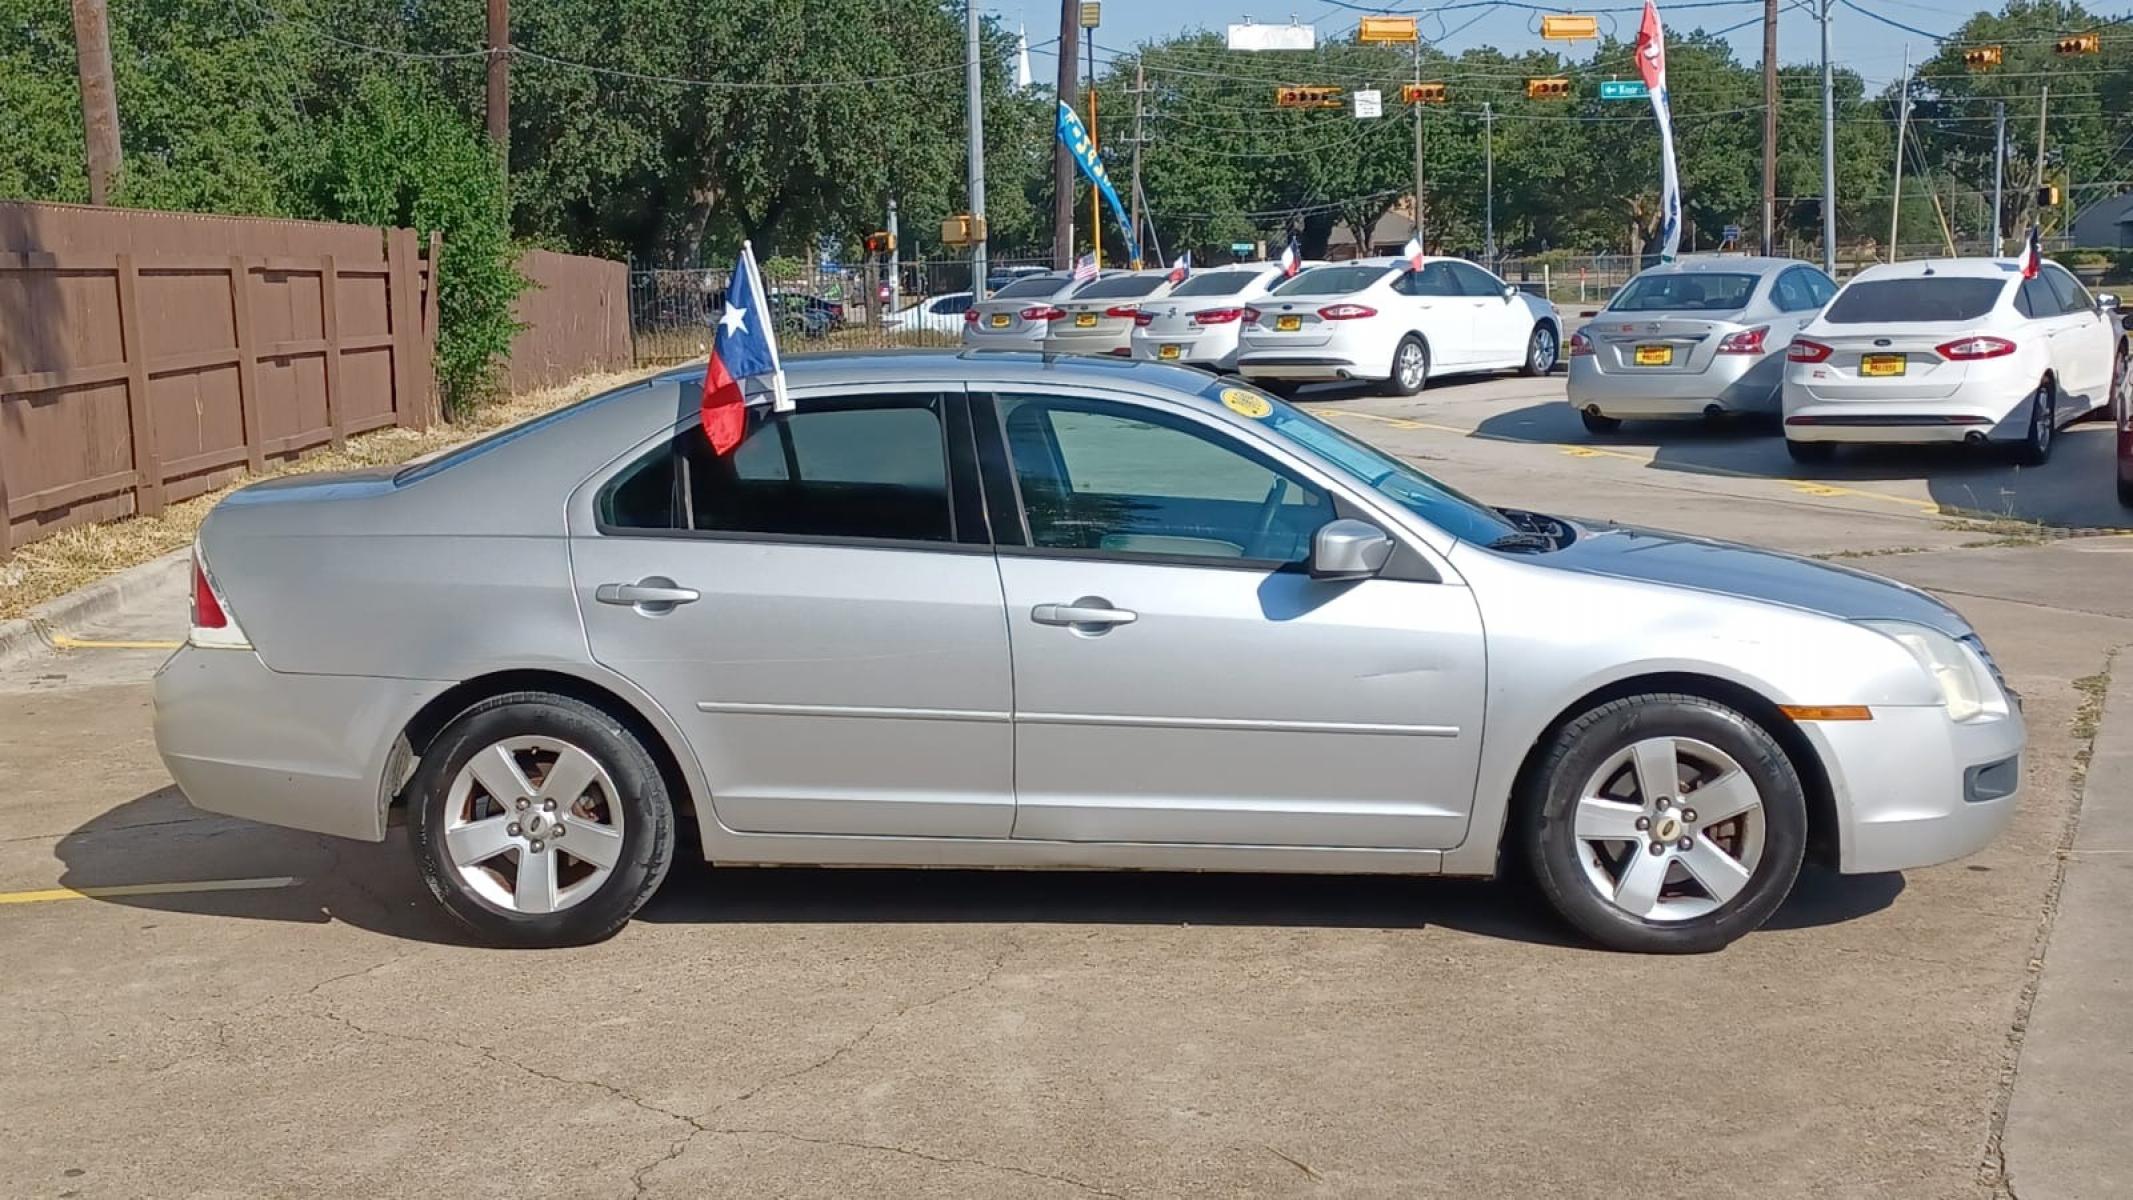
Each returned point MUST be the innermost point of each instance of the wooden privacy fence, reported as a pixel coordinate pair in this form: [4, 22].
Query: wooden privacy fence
[147, 357]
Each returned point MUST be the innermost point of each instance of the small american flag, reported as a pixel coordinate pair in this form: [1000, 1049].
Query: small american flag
[1085, 268]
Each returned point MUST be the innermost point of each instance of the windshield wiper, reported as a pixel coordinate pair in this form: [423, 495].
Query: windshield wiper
[1523, 541]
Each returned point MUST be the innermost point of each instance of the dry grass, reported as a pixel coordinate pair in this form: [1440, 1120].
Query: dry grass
[73, 557]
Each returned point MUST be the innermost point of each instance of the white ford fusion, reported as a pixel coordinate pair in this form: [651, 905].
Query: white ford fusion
[1199, 322]
[1952, 350]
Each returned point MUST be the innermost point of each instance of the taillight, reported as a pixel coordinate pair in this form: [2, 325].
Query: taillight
[1129, 311]
[1347, 312]
[1222, 316]
[970, 316]
[211, 623]
[1042, 312]
[1252, 315]
[1580, 345]
[1803, 350]
[1142, 319]
[1966, 349]
[1747, 341]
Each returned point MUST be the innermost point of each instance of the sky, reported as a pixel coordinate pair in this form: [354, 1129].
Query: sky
[1872, 48]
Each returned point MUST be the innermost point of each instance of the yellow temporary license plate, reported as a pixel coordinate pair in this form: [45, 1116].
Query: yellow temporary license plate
[1288, 324]
[1877, 366]
[1168, 351]
[1084, 320]
[1000, 320]
[1655, 356]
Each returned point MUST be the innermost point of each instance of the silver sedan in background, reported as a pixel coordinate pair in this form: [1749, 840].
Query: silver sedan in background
[1099, 317]
[1017, 316]
[1701, 337]
[1006, 610]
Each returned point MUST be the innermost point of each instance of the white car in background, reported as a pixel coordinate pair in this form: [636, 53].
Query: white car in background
[1018, 315]
[1951, 350]
[935, 314]
[1098, 317]
[1200, 321]
[1380, 319]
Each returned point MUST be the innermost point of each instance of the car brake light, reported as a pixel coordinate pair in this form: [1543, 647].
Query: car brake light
[1747, 341]
[1131, 311]
[1142, 319]
[211, 623]
[1042, 312]
[1220, 316]
[1580, 345]
[1803, 350]
[970, 316]
[1347, 312]
[1252, 315]
[1966, 349]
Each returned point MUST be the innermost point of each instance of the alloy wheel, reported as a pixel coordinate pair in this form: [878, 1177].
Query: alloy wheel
[1669, 829]
[1411, 365]
[533, 824]
[1542, 358]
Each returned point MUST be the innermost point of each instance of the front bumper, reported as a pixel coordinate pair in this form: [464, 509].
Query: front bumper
[305, 751]
[1914, 789]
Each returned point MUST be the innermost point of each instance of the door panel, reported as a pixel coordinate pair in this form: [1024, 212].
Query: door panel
[1501, 326]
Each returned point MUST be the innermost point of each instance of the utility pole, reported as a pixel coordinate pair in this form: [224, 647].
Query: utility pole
[1096, 195]
[1903, 119]
[1421, 238]
[499, 63]
[1488, 183]
[1140, 89]
[1829, 151]
[1999, 175]
[1770, 125]
[99, 99]
[2044, 97]
[896, 267]
[1063, 162]
[974, 100]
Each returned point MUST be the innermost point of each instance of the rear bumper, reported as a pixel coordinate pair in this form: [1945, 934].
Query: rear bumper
[1213, 352]
[305, 751]
[1266, 365]
[1118, 345]
[1740, 385]
[978, 338]
[1914, 789]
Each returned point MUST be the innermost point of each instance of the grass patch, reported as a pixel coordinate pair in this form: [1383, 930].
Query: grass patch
[1878, 552]
[80, 555]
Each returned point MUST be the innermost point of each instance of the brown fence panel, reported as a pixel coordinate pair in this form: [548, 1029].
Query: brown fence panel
[146, 357]
[576, 318]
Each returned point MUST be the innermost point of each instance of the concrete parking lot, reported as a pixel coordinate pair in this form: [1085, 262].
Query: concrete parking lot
[195, 1005]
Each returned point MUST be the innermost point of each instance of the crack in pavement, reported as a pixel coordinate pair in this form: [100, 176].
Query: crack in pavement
[943, 1159]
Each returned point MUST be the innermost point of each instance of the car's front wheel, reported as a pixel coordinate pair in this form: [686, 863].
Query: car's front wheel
[1541, 349]
[1664, 823]
[539, 820]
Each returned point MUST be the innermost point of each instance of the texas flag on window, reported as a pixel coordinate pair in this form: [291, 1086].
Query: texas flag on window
[1413, 251]
[2033, 255]
[745, 346]
[1182, 268]
[1291, 259]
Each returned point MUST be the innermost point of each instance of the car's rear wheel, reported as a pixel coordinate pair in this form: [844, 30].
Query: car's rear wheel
[539, 820]
[1664, 823]
[2035, 448]
[1810, 452]
[1598, 423]
[1410, 366]
[1541, 350]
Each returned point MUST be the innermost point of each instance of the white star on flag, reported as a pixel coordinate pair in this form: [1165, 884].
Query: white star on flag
[735, 320]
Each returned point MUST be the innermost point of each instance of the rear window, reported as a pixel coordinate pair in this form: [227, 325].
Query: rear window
[1946, 298]
[1034, 287]
[1120, 287]
[1332, 281]
[1215, 283]
[1685, 291]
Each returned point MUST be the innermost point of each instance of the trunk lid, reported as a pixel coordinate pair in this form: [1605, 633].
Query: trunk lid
[1658, 343]
[1903, 361]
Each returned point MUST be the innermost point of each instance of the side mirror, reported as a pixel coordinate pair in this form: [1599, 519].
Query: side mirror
[2107, 302]
[1349, 549]
[1510, 291]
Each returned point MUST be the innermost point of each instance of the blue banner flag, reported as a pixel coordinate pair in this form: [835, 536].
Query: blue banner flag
[1083, 148]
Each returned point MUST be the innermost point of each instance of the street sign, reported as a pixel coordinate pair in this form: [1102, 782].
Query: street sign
[1240, 249]
[1369, 104]
[1624, 89]
[1730, 233]
[1272, 37]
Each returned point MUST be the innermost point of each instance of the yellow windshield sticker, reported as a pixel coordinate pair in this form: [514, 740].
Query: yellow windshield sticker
[1245, 404]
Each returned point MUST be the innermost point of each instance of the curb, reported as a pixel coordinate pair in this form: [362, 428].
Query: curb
[27, 637]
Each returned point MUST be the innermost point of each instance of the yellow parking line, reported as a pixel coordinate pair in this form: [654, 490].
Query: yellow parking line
[63, 641]
[149, 889]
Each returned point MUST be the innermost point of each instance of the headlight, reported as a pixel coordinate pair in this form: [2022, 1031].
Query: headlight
[1966, 683]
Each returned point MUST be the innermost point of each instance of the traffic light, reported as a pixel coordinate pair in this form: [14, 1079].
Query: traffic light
[881, 243]
[1982, 58]
[1422, 93]
[1566, 27]
[2080, 43]
[1547, 89]
[2048, 196]
[1309, 97]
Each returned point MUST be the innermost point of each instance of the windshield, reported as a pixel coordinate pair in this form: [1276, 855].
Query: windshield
[1684, 291]
[1034, 287]
[1442, 506]
[1120, 287]
[1331, 281]
[1946, 298]
[1215, 283]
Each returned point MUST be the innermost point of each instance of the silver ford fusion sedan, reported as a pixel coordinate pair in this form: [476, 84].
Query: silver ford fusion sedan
[1003, 610]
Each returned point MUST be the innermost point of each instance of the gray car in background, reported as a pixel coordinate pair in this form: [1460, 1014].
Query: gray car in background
[1006, 610]
[1017, 316]
[1702, 337]
[1100, 317]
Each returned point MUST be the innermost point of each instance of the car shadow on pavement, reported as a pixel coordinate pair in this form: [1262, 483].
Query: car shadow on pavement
[160, 839]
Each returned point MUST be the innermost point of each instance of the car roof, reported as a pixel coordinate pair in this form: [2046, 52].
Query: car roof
[840, 367]
[1961, 268]
[1739, 264]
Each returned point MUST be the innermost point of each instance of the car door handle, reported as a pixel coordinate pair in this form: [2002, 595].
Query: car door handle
[1085, 611]
[653, 592]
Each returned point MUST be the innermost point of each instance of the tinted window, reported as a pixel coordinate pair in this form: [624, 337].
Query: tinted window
[1034, 287]
[1434, 279]
[1684, 291]
[1941, 298]
[2073, 298]
[1114, 479]
[1215, 283]
[1120, 287]
[1331, 281]
[951, 304]
[1476, 282]
[2034, 299]
[858, 468]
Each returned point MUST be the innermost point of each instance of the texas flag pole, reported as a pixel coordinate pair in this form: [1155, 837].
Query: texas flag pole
[1651, 63]
[745, 346]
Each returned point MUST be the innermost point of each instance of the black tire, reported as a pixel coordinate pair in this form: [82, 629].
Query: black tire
[1535, 351]
[2035, 448]
[1810, 452]
[648, 818]
[1596, 423]
[1412, 384]
[1580, 748]
[2125, 491]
